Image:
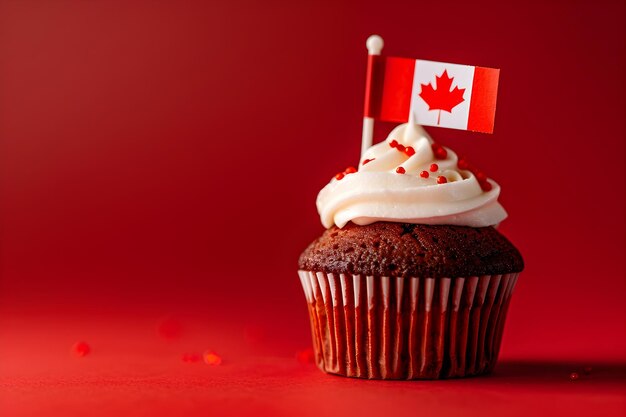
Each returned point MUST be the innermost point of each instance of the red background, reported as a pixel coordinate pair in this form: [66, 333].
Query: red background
[162, 159]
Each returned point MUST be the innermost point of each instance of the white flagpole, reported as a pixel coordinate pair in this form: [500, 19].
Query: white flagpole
[374, 46]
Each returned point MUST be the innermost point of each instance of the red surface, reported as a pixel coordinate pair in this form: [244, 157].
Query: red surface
[131, 370]
[162, 159]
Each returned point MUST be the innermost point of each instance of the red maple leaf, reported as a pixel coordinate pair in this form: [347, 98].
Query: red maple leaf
[441, 97]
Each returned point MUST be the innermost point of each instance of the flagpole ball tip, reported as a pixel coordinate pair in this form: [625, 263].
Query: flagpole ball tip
[374, 44]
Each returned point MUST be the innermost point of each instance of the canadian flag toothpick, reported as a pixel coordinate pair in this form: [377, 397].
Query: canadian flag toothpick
[427, 93]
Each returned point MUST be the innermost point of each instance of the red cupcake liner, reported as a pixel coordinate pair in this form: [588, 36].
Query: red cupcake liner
[406, 328]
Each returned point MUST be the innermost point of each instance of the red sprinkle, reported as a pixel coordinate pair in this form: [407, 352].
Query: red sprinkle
[400, 170]
[485, 185]
[424, 174]
[439, 151]
[81, 349]
[434, 167]
[400, 147]
[393, 143]
[441, 179]
[463, 164]
[350, 170]
[339, 175]
[409, 151]
[480, 176]
[368, 160]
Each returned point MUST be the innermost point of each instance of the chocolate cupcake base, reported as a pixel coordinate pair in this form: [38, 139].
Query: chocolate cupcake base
[406, 328]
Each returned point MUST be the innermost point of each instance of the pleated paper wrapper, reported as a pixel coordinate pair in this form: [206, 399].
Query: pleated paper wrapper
[406, 328]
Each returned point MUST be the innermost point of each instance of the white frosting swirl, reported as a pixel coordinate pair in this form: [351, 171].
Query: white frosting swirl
[377, 192]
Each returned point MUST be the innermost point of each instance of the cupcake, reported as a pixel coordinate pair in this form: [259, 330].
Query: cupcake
[411, 279]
